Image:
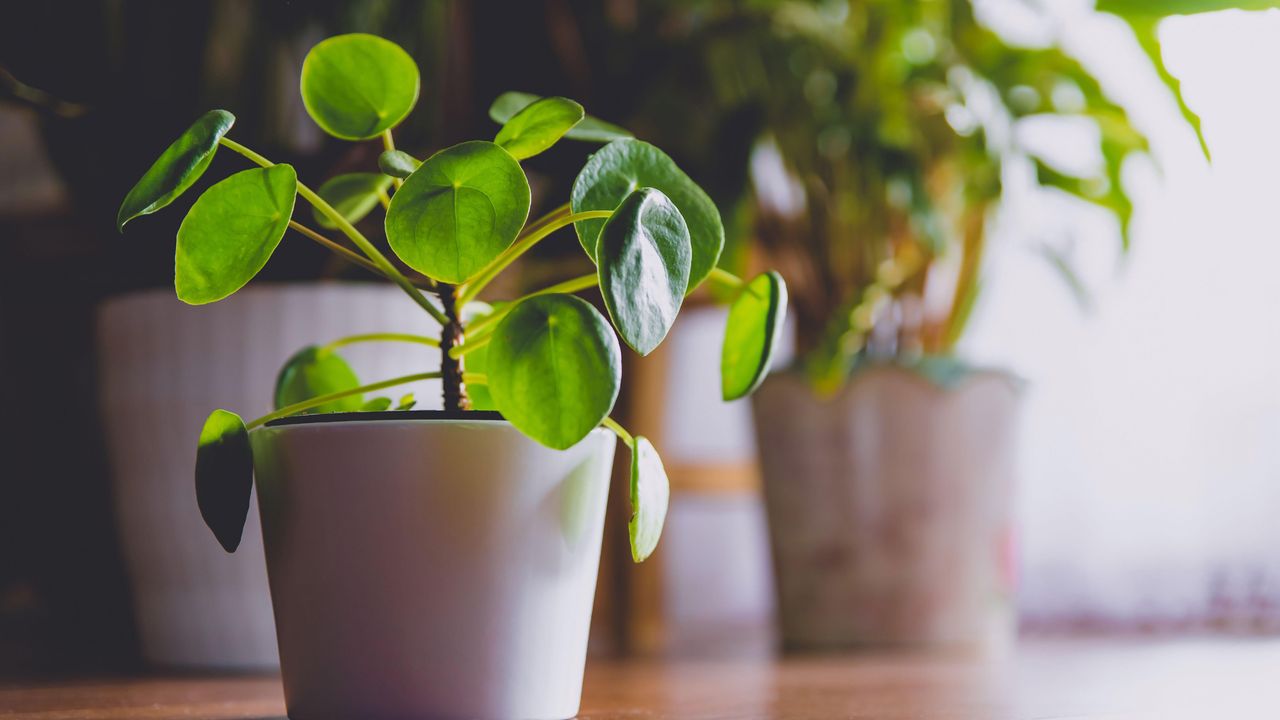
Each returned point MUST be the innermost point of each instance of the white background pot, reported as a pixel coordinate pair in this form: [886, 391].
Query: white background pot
[430, 568]
[164, 366]
[890, 509]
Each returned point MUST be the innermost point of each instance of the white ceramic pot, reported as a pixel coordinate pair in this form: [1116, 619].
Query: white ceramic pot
[430, 568]
[163, 367]
[890, 509]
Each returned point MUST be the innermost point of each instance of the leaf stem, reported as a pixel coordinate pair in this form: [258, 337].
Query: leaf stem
[568, 286]
[317, 401]
[361, 242]
[618, 430]
[522, 244]
[458, 351]
[475, 378]
[326, 242]
[389, 144]
[380, 337]
[725, 279]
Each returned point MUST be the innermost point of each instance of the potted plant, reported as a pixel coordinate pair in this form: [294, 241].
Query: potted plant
[887, 132]
[442, 564]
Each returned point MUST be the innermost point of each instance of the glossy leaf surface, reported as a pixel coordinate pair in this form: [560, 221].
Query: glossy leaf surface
[231, 231]
[177, 168]
[554, 369]
[398, 163]
[623, 166]
[355, 86]
[312, 372]
[752, 334]
[353, 195]
[538, 126]
[590, 129]
[650, 496]
[458, 211]
[643, 259]
[224, 476]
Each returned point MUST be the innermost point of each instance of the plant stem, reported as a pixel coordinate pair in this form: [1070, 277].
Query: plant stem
[458, 351]
[323, 399]
[361, 242]
[380, 337]
[568, 286]
[522, 244]
[451, 365]
[618, 430]
[335, 247]
[384, 199]
[725, 279]
[475, 378]
[389, 143]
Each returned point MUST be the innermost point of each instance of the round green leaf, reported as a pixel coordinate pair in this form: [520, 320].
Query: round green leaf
[554, 369]
[751, 335]
[621, 167]
[376, 404]
[643, 256]
[397, 163]
[353, 195]
[590, 129]
[538, 126]
[224, 476]
[312, 372]
[231, 231]
[177, 168]
[458, 211]
[355, 86]
[650, 495]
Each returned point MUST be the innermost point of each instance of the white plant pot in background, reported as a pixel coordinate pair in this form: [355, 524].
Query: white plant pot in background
[164, 366]
[430, 568]
[890, 509]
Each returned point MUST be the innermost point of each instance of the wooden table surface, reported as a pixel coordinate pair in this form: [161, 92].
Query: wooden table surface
[1212, 679]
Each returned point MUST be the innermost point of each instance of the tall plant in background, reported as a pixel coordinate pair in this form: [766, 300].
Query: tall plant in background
[895, 124]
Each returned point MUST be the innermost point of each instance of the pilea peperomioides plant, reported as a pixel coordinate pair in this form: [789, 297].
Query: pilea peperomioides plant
[548, 362]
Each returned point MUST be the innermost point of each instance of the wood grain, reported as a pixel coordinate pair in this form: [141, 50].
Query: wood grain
[1045, 680]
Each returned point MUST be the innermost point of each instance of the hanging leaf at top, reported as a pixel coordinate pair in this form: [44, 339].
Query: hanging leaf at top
[353, 195]
[538, 126]
[554, 369]
[650, 496]
[224, 477]
[623, 166]
[643, 256]
[752, 334]
[356, 86]
[312, 372]
[231, 231]
[590, 129]
[458, 211]
[177, 168]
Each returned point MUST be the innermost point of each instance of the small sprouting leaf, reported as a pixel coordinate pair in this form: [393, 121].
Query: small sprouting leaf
[554, 368]
[538, 126]
[458, 211]
[751, 335]
[177, 168]
[224, 476]
[398, 163]
[355, 86]
[643, 256]
[353, 195]
[376, 404]
[650, 495]
[407, 402]
[590, 129]
[312, 372]
[231, 231]
[621, 167]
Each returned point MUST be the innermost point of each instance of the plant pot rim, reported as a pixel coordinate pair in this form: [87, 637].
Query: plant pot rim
[438, 416]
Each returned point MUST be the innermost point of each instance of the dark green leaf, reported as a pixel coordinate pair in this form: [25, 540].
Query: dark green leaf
[224, 476]
[591, 129]
[398, 163]
[623, 166]
[312, 372]
[231, 231]
[458, 211]
[538, 126]
[650, 495]
[178, 167]
[353, 195]
[376, 404]
[643, 256]
[554, 369]
[356, 86]
[751, 335]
